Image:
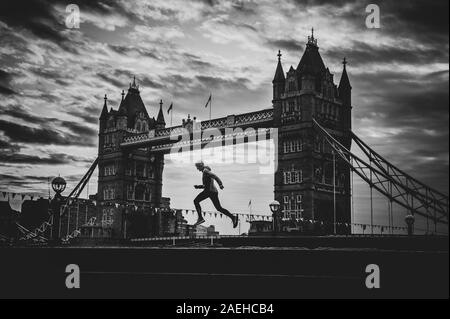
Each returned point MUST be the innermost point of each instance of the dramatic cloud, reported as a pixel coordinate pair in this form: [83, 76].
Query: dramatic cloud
[5, 79]
[44, 133]
[53, 159]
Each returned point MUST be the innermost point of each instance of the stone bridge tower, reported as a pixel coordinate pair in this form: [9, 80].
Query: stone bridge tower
[304, 179]
[133, 175]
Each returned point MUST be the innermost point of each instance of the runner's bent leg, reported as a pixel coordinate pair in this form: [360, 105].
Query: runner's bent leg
[215, 199]
[200, 197]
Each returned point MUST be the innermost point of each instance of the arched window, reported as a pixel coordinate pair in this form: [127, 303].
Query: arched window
[130, 192]
[151, 172]
[317, 144]
[110, 123]
[108, 192]
[328, 173]
[139, 192]
[291, 86]
[140, 169]
[318, 84]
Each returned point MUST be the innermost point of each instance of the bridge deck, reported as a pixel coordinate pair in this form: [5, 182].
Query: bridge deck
[258, 119]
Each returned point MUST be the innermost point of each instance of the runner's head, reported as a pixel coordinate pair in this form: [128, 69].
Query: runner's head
[200, 165]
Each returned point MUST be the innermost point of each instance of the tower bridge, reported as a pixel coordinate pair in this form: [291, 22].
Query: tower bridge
[132, 144]
[310, 123]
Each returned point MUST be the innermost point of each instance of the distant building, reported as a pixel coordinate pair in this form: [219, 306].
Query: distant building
[8, 220]
[34, 213]
[167, 222]
[165, 202]
[181, 224]
[106, 219]
[201, 231]
[260, 227]
[211, 231]
[297, 227]
[95, 231]
[162, 222]
[82, 212]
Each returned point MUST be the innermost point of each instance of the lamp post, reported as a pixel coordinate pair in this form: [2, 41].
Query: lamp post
[274, 208]
[409, 219]
[58, 185]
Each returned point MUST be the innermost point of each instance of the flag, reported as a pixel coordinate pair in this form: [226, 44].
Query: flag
[249, 203]
[209, 101]
[170, 108]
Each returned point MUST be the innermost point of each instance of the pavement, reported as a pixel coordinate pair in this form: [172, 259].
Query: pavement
[222, 272]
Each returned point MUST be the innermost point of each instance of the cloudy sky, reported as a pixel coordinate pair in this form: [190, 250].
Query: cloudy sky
[53, 79]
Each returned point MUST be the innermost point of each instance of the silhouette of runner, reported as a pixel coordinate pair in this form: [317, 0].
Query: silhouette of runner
[210, 191]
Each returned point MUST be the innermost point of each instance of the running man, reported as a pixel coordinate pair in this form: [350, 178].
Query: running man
[210, 191]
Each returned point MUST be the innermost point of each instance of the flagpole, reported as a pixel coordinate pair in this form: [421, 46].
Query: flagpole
[210, 105]
[249, 210]
[334, 192]
[171, 116]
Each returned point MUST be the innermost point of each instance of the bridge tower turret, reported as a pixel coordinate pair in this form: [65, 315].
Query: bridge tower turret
[160, 122]
[278, 84]
[345, 95]
[278, 80]
[104, 114]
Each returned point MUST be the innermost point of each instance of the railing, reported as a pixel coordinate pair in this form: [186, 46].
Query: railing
[204, 140]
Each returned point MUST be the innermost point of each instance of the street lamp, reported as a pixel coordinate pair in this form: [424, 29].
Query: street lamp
[58, 185]
[274, 208]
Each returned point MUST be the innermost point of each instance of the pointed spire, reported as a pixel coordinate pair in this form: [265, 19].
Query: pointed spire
[344, 82]
[133, 86]
[279, 73]
[160, 118]
[311, 39]
[105, 108]
[311, 61]
[122, 108]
